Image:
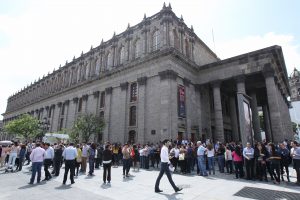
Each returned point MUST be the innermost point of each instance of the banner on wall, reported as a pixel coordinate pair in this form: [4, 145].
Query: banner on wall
[181, 101]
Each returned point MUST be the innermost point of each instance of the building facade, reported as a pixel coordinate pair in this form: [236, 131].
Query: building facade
[158, 80]
[294, 81]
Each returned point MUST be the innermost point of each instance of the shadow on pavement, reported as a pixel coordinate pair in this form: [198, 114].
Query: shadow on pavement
[170, 196]
[63, 187]
[105, 186]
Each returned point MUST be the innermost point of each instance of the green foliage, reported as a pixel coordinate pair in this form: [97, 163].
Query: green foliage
[25, 126]
[294, 125]
[85, 126]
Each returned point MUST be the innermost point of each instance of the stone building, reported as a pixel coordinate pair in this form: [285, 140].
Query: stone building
[159, 80]
[294, 81]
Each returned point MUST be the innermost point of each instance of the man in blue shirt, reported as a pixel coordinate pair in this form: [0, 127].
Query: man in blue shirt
[248, 154]
[201, 159]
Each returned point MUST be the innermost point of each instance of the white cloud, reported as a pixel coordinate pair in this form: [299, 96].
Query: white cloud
[239, 46]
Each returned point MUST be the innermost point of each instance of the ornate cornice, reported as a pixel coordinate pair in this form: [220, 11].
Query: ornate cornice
[168, 74]
[124, 86]
[108, 90]
[142, 80]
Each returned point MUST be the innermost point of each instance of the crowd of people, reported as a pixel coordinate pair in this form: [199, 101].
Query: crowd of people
[262, 161]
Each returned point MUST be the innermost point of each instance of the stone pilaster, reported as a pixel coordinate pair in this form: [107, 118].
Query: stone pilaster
[107, 113]
[71, 116]
[219, 127]
[240, 84]
[255, 117]
[123, 110]
[273, 102]
[141, 114]
[234, 120]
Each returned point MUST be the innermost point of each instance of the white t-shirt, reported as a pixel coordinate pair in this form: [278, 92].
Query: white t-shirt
[176, 151]
[210, 153]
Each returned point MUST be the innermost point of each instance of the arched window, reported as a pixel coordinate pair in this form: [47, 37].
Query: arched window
[133, 92]
[137, 48]
[132, 116]
[155, 40]
[122, 55]
[109, 61]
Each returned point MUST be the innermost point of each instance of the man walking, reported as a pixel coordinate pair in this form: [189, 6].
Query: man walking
[48, 158]
[69, 155]
[164, 156]
[37, 158]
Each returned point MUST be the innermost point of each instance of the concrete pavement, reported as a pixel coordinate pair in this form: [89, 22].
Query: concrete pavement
[140, 185]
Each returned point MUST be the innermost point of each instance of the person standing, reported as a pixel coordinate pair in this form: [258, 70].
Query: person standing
[21, 157]
[107, 158]
[85, 148]
[13, 154]
[238, 162]
[126, 160]
[57, 159]
[69, 154]
[91, 155]
[248, 154]
[48, 158]
[201, 159]
[78, 159]
[37, 158]
[210, 158]
[285, 161]
[274, 159]
[164, 156]
[296, 160]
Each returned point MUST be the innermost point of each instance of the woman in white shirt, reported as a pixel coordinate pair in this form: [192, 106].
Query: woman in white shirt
[210, 158]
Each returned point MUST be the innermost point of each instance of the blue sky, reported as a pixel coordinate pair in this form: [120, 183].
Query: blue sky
[37, 36]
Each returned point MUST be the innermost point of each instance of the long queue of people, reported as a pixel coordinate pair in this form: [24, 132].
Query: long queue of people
[257, 160]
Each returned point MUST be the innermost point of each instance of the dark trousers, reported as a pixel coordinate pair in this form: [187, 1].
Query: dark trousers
[126, 166]
[164, 168]
[98, 163]
[56, 165]
[106, 172]
[239, 172]
[297, 168]
[275, 170]
[261, 170]
[286, 166]
[91, 165]
[47, 164]
[36, 168]
[69, 165]
[146, 162]
[229, 166]
[249, 168]
[21, 160]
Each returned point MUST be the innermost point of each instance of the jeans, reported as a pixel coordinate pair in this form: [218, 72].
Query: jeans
[164, 168]
[106, 172]
[12, 159]
[91, 165]
[211, 164]
[36, 168]
[126, 166]
[202, 165]
[221, 163]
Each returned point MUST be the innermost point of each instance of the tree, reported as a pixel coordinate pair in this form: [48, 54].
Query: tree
[85, 126]
[25, 126]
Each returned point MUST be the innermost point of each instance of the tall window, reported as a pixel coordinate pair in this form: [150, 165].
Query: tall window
[132, 117]
[61, 123]
[122, 55]
[63, 109]
[133, 92]
[102, 100]
[155, 40]
[137, 48]
[102, 115]
[79, 105]
[49, 112]
[109, 62]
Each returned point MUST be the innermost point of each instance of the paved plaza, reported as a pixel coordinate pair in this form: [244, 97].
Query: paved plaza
[140, 186]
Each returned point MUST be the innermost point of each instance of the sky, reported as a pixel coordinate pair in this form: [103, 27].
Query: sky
[36, 36]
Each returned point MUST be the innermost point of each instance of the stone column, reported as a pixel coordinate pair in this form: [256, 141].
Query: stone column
[85, 102]
[255, 117]
[66, 105]
[273, 102]
[234, 120]
[123, 112]
[107, 114]
[141, 115]
[218, 112]
[53, 121]
[268, 132]
[71, 112]
[240, 84]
